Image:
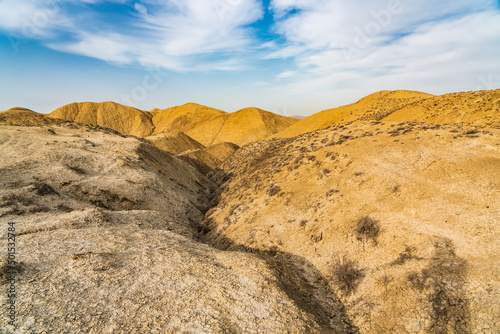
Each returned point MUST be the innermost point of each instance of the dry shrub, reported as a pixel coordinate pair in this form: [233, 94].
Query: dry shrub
[367, 228]
[347, 275]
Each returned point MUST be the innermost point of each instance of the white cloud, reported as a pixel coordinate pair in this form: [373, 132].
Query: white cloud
[358, 47]
[177, 35]
[285, 74]
[140, 8]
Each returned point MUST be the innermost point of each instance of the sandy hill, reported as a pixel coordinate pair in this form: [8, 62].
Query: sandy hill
[208, 159]
[174, 142]
[25, 117]
[480, 108]
[199, 122]
[397, 222]
[212, 126]
[203, 161]
[372, 107]
[187, 149]
[106, 231]
[206, 125]
[126, 120]
[222, 151]
[251, 124]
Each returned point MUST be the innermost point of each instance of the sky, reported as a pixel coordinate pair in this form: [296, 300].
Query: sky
[291, 57]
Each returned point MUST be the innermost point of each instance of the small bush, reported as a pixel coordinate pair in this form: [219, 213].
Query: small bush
[405, 256]
[347, 276]
[274, 190]
[76, 169]
[43, 189]
[367, 228]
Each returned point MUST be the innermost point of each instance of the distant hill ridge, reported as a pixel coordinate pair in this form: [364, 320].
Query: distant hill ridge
[210, 126]
[481, 108]
[206, 125]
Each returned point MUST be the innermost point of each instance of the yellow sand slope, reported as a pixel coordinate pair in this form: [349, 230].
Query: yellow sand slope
[25, 117]
[206, 125]
[480, 108]
[212, 126]
[475, 108]
[126, 120]
[222, 151]
[174, 142]
[373, 107]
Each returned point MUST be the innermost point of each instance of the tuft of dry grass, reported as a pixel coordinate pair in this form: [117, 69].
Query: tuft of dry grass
[367, 228]
[347, 275]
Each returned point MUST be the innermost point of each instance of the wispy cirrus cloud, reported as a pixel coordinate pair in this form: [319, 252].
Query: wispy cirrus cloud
[332, 51]
[353, 48]
[176, 35]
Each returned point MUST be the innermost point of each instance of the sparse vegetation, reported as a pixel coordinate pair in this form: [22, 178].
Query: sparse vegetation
[76, 169]
[367, 228]
[347, 275]
[406, 255]
[274, 190]
[43, 189]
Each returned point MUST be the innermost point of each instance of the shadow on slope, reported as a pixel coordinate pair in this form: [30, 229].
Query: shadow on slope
[298, 278]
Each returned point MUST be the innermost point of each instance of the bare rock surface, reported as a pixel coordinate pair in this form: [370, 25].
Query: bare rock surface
[106, 243]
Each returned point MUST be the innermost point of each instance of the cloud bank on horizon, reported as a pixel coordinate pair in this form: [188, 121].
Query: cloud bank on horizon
[322, 45]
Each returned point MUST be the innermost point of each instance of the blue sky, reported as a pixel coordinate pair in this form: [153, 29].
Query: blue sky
[292, 57]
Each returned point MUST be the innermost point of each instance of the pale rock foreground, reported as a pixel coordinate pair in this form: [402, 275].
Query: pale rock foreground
[105, 242]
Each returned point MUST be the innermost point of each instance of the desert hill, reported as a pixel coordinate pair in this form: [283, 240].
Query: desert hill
[174, 142]
[222, 151]
[212, 126]
[372, 107]
[399, 222]
[106, 232]
[25, 117]
[126, 120]
[365, 226]
[187, 149]
[480, 108]
[199, 122]
[206, 125]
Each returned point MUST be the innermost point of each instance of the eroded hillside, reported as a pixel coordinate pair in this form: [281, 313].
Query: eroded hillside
[371, 225]
[206, 125]
[126, 120]
[398, 221]
[480, 108]
[106, 232]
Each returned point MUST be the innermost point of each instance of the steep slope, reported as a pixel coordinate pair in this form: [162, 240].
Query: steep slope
[372, 107]
[206, 125]
[475, 108]
[203, 161]
[212, 126]
[25, 117]
[174, 142]
[251, 124]
[105, 232]
[125, 120]
[399, 222]
[222, 151]
[199, 122]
